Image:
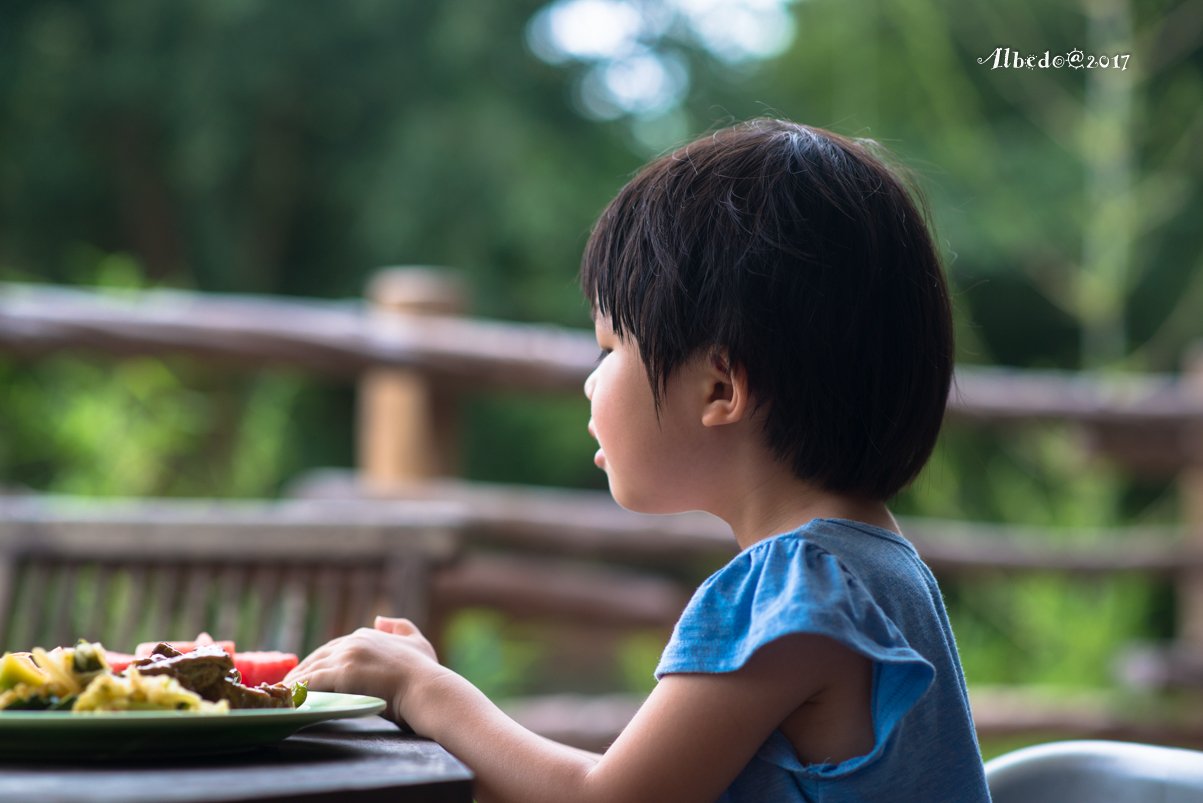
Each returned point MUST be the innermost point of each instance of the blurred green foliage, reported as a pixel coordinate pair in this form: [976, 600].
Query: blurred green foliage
[481, 647]
[294, 146]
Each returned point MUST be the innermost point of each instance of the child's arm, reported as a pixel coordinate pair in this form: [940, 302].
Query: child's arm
[687, 743]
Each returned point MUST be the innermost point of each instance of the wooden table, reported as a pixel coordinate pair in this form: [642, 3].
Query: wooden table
[349, 760]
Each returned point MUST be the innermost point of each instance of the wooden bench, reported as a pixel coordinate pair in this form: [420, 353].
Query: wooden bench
[271, 575]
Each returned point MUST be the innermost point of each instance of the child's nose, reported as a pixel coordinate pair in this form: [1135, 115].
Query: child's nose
[590, 382]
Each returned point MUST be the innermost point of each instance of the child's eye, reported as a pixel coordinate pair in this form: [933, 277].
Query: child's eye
[603, 354]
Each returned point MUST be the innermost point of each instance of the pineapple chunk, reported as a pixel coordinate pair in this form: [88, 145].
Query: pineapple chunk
[18, 667]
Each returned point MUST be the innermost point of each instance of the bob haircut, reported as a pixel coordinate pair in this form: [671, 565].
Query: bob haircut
[798, 255]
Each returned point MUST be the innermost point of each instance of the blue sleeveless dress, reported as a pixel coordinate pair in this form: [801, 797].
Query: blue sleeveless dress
[866, 588]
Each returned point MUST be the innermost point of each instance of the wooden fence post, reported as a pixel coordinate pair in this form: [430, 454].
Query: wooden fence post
[408, 428]
[1190, 484]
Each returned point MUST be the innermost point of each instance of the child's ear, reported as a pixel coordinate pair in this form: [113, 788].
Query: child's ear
[727, 392]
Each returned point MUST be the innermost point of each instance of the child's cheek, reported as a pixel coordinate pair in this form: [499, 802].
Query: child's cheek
[599, 421]
[608, 430]
[617, 431]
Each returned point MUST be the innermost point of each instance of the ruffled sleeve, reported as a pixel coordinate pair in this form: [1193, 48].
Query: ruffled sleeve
[784, 585]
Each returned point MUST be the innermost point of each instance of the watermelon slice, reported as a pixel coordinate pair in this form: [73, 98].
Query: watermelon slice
[263, 667]
[118, 661]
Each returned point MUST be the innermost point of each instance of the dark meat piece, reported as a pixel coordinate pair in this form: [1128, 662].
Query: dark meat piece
[280, 694]
[163, 648]
[263, 696]
[209, 671]
[198, 670]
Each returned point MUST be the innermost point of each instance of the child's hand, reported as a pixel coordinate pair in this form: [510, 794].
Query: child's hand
[404, 627]
[381, 662]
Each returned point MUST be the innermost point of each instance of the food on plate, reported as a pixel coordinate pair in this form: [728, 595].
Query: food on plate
[17, 668]
[264, 667]
[255, 667]
[118, 661]
[137, 692]
[87, 678]
[209, 671]
[204, 639]
[41, 680]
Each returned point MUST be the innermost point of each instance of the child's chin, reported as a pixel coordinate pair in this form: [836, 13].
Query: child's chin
[638, 502]
[621, 496]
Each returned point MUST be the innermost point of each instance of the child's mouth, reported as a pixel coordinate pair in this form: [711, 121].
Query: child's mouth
[599, 459]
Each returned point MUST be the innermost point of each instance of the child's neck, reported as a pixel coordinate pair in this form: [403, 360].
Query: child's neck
[778, 502]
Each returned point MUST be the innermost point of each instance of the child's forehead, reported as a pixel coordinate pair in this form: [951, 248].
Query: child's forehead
[603, 327]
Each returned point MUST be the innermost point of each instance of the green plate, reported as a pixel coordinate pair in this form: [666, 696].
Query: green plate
[131, 734]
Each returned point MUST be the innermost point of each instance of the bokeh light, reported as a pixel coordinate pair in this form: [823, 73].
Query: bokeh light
[632, 51]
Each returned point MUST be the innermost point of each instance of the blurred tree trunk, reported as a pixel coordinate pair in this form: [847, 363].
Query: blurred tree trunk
[145, 201]
[1107, 147]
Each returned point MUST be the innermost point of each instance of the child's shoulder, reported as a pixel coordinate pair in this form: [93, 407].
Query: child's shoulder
[843, 566]
[794, 582]
[864, 552]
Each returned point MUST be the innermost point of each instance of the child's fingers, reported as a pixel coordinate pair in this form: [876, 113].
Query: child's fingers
[321, 652]
[338, 645]
[298, 672]
[333, 673]
[309, 660]
[398, 627]
[319, 678]
[321, 672]
[404, 627]
[336, 653]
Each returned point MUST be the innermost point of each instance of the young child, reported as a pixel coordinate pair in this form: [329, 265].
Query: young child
[777, 350]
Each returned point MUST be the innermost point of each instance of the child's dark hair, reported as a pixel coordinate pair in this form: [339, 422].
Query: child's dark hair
[800, 256]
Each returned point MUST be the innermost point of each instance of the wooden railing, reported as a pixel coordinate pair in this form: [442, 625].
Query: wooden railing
[346, 338]
[414, 354]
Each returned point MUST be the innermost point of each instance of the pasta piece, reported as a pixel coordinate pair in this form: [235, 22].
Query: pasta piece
[138, 692]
